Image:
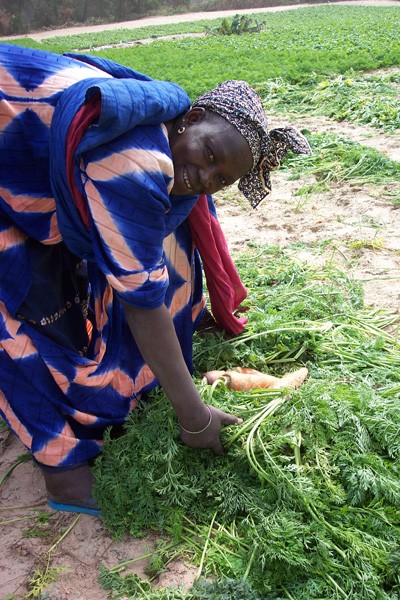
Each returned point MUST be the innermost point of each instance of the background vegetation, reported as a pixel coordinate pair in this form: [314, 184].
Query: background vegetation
[30, 15]
[302, 47]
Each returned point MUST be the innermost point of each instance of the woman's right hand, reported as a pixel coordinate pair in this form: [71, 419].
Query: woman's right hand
[155, 335]
[209, 435]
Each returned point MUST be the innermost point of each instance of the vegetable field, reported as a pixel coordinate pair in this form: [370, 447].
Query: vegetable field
[305, 502]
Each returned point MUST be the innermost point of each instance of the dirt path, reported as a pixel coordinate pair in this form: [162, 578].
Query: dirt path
[183, 18]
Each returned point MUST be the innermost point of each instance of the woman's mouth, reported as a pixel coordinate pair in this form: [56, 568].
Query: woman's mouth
[186, 179]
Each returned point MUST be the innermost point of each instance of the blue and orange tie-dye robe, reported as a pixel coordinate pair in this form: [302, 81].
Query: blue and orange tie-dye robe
[69, 366]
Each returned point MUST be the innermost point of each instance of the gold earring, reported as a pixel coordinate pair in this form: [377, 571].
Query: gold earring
[181, 129]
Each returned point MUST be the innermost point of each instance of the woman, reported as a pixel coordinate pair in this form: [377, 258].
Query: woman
[100, 293]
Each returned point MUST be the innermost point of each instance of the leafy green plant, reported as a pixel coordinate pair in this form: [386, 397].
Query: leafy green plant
[305, 503]
[41, 528]
[237, 25]
[370, 100]
[336, 159]
[41, 579]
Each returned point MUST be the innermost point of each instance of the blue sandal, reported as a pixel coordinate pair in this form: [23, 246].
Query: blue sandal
[86, 510]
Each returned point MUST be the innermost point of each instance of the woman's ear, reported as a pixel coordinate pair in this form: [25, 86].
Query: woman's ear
[194, 115]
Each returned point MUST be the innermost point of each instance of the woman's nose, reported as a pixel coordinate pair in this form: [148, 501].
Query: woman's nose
[205, 178]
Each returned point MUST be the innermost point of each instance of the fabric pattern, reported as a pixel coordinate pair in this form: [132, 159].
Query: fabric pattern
[60, 391]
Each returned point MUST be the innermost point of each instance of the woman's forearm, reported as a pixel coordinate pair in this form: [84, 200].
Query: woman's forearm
[155, 335]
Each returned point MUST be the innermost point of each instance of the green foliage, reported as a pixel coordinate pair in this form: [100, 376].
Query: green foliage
[132, 587]
[290, 305]
[323, 40]
[326, 40]
[238, 25]
[305, 503]
[42, 527]
[336, 159]
[41, 579]
[370, 100]
[227, 589]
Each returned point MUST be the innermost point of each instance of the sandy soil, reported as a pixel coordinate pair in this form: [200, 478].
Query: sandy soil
[346, 216]
[362, 226]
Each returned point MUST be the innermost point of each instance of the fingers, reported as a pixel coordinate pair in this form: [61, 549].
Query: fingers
[218, 449]
[210, 436]
[231, 420]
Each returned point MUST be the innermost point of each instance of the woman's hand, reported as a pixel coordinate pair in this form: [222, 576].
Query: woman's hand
[156, 338]
[209, 436]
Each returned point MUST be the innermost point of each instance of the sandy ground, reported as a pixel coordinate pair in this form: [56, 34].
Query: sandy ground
[361, 225]
[363, 230]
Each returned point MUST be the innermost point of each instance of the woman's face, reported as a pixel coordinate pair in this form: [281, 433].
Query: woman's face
[209, 155]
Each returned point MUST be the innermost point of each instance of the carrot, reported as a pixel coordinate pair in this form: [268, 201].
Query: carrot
[243, 378]
[246, 370]
[291, 380]
[249, 381]
[212, 376]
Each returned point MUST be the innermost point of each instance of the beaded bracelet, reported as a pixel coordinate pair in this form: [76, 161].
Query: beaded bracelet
[201, 430]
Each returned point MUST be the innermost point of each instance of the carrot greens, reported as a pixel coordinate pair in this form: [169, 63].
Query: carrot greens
[336, 159]
[369, 100]
[305, 502]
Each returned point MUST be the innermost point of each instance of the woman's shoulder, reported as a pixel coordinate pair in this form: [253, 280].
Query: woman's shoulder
[144, 149]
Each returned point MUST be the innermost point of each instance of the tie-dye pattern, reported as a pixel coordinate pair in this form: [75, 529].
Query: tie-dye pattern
[60, 386]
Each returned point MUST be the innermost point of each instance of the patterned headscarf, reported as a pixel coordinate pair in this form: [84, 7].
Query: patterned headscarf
[241, 106]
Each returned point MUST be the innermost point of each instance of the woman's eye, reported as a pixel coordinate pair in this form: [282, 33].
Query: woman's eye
[223, 180]
[210, 155]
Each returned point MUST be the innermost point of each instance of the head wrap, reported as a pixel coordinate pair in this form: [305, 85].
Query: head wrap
[240, 105]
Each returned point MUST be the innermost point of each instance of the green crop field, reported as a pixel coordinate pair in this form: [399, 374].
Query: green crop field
[294, 46]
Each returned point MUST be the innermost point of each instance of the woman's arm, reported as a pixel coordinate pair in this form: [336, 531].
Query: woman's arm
[155, 336]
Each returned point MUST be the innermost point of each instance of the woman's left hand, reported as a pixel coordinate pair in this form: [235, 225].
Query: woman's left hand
[209, 437]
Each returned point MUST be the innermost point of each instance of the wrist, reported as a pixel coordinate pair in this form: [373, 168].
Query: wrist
[197, 431]
[193, 417]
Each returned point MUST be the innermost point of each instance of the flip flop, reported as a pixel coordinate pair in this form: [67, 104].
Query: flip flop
[86, 510]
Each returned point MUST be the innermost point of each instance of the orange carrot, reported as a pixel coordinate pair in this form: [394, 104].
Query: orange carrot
[243, 378]
[291, 380]
[247, 370]
[212, 376]
[249, 381]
